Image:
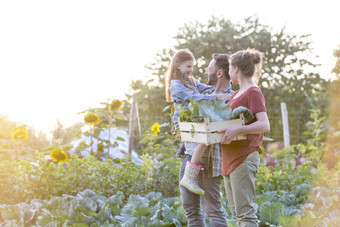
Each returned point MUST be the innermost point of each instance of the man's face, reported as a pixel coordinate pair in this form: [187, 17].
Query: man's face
[211, 72]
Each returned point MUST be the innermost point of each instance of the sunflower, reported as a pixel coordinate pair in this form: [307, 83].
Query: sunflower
[58, 155]
[91, 118]
[155, 128]
[116, 105]
[19, 132]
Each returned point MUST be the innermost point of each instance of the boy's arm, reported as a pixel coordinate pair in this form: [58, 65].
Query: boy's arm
[202, 88]
[181, 93]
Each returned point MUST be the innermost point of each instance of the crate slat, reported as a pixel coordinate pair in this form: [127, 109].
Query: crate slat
[219, 125]
[208, 139]
[194, 137]
[206, 132]
[188, 126]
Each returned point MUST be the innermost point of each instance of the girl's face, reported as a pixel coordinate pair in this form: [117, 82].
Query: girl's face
[233, 74]
[186, 67]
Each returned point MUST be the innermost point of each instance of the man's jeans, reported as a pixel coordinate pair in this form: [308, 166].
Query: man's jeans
[210, 200]
[240, 190]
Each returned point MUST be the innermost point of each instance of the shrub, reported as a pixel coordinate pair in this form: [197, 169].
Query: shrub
[23, 181]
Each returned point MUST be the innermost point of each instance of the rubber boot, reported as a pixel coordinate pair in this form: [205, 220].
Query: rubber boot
[189, 180]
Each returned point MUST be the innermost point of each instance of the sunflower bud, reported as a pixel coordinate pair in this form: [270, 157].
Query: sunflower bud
[91, 118]
[116, 105]
[19, 132]
[58, 155]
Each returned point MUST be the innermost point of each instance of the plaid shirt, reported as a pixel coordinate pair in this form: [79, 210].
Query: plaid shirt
[212, 158]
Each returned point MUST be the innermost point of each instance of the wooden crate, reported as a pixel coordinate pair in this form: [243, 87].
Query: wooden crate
[207, 132]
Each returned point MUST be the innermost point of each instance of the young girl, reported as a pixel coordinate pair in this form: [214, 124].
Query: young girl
[181, 87]
[240, 159]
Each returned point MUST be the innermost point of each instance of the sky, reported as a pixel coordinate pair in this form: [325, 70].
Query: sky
[58, 58]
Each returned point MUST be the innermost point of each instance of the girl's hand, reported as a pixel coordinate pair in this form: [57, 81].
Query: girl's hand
[222, 96]
[229, 135]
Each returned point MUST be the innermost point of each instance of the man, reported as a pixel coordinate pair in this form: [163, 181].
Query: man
[218, 76]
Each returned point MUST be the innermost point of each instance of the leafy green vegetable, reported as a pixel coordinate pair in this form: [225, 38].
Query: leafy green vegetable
[215, 111]
[270, 214]
[197, 111]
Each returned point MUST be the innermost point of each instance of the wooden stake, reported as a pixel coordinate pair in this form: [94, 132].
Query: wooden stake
[285, 124]
[132, 123]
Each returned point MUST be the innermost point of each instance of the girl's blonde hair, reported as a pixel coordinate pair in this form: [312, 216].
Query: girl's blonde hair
[173, 73]
[249, 62]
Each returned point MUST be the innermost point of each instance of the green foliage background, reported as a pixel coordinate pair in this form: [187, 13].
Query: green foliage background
[89, 192]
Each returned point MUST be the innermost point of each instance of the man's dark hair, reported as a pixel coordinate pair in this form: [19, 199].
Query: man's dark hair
[222, 62]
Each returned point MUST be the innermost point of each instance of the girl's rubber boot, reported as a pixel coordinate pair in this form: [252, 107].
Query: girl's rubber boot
[190, 178]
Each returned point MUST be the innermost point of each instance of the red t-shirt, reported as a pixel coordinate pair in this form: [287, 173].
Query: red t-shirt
[236, 152]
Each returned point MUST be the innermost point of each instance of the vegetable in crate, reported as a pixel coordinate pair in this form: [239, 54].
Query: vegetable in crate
[215, 111]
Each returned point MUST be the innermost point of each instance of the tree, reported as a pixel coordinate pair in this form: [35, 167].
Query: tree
[65, 135]
[287, 75]
[336, 68]
[331, 154]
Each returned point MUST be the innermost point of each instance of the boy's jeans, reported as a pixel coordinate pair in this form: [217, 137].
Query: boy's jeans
[210, 200]
[240, 190]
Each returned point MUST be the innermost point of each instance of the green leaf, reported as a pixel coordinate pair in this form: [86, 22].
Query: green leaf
[197, 111]
[121, 117]
[116, 199]
[80, 225]
[87, 134]
[130, 222]
[135, 201]
[30, 212]
[140, 212]
[154, 197]
[120, 138]
[232, 223]
[302, 191]
[259, 200]
[11, 212]
[288, 221]
[263, 154]
[83, 217]
[270, 214]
